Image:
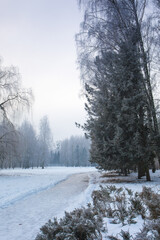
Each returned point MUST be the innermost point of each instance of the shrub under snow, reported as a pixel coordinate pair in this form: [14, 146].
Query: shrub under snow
[80, 224]
[121, 205]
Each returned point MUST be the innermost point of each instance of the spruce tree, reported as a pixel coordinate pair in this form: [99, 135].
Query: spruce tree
[116, 109]
[115, 68]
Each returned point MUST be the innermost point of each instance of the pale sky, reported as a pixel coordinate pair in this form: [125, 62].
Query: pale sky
[38, 37]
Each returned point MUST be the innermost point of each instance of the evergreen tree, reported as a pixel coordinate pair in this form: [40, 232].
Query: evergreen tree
[122, 121]
[117, 110]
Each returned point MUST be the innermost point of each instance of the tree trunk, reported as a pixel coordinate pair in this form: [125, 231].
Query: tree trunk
[141, 170]
[125, 172]
[154, 167]
[148, 178]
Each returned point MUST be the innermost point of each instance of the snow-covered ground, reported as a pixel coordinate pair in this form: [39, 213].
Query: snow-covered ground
[29, 197]
[130, 182]
[17, 184]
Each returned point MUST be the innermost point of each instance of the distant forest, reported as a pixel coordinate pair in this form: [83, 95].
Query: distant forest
[71, 152]
[25, 148]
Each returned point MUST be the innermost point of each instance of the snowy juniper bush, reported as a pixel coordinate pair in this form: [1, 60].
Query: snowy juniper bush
[121, 205]
[80, 224]
[124, 234]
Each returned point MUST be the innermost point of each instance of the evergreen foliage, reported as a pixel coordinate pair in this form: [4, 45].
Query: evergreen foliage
[122, 121]
[150, 231]
[117, 112]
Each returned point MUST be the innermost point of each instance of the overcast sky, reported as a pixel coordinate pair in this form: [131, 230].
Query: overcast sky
[38, 36]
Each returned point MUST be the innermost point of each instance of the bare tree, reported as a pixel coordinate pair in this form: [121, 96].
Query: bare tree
[13, 99]
[45, 140]
[74, 151]
[27, 145]
[8, 145]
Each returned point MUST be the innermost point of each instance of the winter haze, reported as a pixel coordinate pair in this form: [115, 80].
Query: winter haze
[38, 37]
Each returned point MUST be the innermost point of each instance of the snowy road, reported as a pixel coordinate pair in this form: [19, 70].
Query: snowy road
[22, 219]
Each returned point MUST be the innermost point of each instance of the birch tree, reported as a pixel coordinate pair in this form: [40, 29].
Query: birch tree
[13, 100]
[27, 145]
[45, 141]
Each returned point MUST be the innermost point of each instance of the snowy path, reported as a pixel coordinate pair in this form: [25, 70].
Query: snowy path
[22, 219]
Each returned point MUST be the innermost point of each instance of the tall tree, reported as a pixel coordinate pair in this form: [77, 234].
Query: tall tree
[45, 141]
[12, 96]
[120, 101]
[27, 145]
[8, 145]
[13, 99]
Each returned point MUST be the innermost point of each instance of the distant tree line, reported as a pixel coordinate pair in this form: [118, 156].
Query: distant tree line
[118, 53]
[22, 146]
[13, 100]
[25, 148]
[71, 152]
